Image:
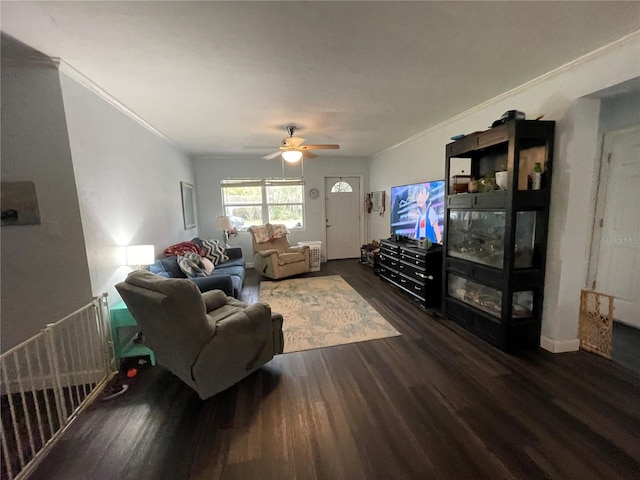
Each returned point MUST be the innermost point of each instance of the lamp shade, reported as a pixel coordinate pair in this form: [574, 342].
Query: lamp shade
[140, 254]
[291, 156]
[223, 223]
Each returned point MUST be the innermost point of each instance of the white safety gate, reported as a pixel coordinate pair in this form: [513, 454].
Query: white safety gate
[47, 380]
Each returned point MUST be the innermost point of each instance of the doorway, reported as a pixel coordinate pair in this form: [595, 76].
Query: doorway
[343, 217]
[615, 250]
[614, 266]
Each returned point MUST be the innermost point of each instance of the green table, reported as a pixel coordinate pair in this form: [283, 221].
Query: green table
[125, 347]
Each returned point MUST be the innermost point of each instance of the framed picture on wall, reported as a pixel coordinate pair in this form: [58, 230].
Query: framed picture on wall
[378, 200]
[188, 205]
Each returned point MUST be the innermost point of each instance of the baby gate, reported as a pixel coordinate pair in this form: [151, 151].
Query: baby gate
[47, 380]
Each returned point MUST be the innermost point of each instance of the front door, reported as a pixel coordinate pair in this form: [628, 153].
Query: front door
[616, 247]
[342, 207]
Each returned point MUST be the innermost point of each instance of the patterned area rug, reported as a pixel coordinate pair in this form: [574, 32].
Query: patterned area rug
[322, 312]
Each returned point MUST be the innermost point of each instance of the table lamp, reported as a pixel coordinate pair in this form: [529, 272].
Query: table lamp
[224, 223]
[139, 255]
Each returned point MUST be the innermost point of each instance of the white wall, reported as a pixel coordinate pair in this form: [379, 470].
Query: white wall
[621, 110]
[209, 172]
[128, 182]
[559, 96]
[44, 267]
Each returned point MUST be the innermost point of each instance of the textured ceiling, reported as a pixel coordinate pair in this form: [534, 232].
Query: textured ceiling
[216, 77]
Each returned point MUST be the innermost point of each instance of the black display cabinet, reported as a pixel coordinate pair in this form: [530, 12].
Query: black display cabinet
[496, 238]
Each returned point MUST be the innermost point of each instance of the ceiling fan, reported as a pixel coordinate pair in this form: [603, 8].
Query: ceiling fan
[292, 148]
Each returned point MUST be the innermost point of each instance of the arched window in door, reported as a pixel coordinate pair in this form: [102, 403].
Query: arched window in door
[341, 187]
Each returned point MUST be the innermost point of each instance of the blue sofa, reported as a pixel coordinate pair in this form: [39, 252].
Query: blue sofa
[227, 276]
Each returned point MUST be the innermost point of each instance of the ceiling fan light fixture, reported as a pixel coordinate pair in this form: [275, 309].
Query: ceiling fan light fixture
[291, 156]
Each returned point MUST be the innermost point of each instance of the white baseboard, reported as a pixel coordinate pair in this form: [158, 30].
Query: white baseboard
[559, 346]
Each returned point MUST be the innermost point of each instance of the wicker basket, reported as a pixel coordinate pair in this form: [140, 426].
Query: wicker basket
[315, 249]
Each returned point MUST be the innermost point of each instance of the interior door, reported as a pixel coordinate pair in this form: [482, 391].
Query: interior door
[342, 207]
[616, 245]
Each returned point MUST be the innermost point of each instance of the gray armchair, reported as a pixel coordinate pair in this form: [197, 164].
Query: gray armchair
[210, 341]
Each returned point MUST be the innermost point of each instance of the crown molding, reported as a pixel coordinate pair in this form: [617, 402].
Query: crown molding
[634, 36]
[33, 61]
[86, 82]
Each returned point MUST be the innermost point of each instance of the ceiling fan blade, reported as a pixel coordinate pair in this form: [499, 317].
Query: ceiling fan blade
[320, 147]
[272, 155]
[293, 141]
[307, 154]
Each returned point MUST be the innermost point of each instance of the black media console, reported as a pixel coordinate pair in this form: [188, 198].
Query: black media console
[416, 271]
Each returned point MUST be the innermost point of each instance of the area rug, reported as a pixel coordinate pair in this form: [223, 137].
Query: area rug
[322, 312]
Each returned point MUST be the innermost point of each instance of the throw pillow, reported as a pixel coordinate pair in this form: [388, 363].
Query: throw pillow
[214, 251]
[207, 265]
[190, 264]
[167, 267]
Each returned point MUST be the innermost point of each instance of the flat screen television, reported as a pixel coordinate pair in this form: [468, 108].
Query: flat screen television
[417, 211]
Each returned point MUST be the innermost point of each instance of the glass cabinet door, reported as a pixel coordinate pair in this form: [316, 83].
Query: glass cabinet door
[480, 296]
[525, 236]
[477, 236]
[489, 299]
[522, 304]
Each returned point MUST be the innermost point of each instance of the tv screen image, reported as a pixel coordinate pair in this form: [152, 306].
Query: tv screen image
[417, 210]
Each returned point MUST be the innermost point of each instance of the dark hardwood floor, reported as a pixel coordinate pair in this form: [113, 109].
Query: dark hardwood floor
[433, 403]
[626, 346]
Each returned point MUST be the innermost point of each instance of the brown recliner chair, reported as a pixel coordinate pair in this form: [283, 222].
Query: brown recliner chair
[273, 256]
[209, 340]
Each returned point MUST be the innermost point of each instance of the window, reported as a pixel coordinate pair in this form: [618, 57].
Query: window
[341, 187]
[256, 202]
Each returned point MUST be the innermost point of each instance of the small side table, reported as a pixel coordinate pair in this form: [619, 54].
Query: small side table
[125, 347]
